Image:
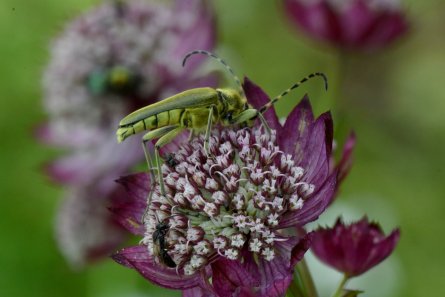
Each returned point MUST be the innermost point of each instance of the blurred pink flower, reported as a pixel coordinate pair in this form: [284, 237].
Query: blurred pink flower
[355, 248]
[108, 62]
[226, 226]
[363, 25]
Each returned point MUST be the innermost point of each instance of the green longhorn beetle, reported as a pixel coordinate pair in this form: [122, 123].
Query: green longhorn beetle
[196, 109]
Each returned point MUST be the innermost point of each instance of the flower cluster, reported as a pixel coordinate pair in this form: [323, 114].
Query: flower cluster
[231, 222]
[109, 61]
[363, 25]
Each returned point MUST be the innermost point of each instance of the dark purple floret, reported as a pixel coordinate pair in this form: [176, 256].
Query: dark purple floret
[363, 25]
[355, 248]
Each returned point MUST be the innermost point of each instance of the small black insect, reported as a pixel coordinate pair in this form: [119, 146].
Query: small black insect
[171, 161]
[159, 244]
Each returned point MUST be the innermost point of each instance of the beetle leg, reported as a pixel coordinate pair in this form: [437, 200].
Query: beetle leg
[191, 135]
[147, 137]
[208, 130]
[249, 114]
[152, 178]
[164, 139]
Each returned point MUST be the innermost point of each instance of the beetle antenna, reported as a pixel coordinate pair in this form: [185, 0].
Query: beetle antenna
[294, 86]
[228, 68]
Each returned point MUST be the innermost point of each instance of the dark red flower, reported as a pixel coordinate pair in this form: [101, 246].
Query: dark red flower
[353, 249]
[232, 218]
[351, 24]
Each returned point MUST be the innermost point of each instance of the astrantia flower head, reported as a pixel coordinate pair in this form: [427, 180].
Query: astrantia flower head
[355, 248]
[231, 217]
[349, 24]
[108, 62]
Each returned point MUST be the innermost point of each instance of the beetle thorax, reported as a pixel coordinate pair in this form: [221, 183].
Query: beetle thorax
[231, 104]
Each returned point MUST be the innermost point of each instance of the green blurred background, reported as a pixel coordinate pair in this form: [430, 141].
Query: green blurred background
[394, 101]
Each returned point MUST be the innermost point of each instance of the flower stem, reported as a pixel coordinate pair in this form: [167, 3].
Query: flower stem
[303, 281]
[341, 286]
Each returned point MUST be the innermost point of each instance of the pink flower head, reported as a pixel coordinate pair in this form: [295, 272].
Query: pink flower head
[108, 62]
[228, 222]
[353, 249]
[349, 24]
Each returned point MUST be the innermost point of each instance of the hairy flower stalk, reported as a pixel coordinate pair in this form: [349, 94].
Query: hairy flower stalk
[229, 202]
[227, 223]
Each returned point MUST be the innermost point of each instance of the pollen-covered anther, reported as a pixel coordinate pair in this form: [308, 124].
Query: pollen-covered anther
[180, 199]
[246, 154]
[237, 240]
[220, 242]
[178, 221]
[233, 169]
[257, 176]
[203, 247]
[171, 179]
[241, 221]
[297, 172]
[195, 234]
[232, 253]
[286, 162]
[275, 172]
[230, 184]
[181, 168]
[238, 201]
[189, 190]
[188, 269]
[182, 248]
[197, 261]
[268, 253]
[219, 197]
[199, 178]
[197, 202]
[272, 219]
[257, 226]
[277, 203]
[180, 184]
[255, 245]
[223, 160]
[259, 201]
[295, 202]
[225, 148]
[211, 185]
[306, 189]
[211, 209]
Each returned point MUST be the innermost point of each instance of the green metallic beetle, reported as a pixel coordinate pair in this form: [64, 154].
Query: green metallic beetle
[196, 110]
